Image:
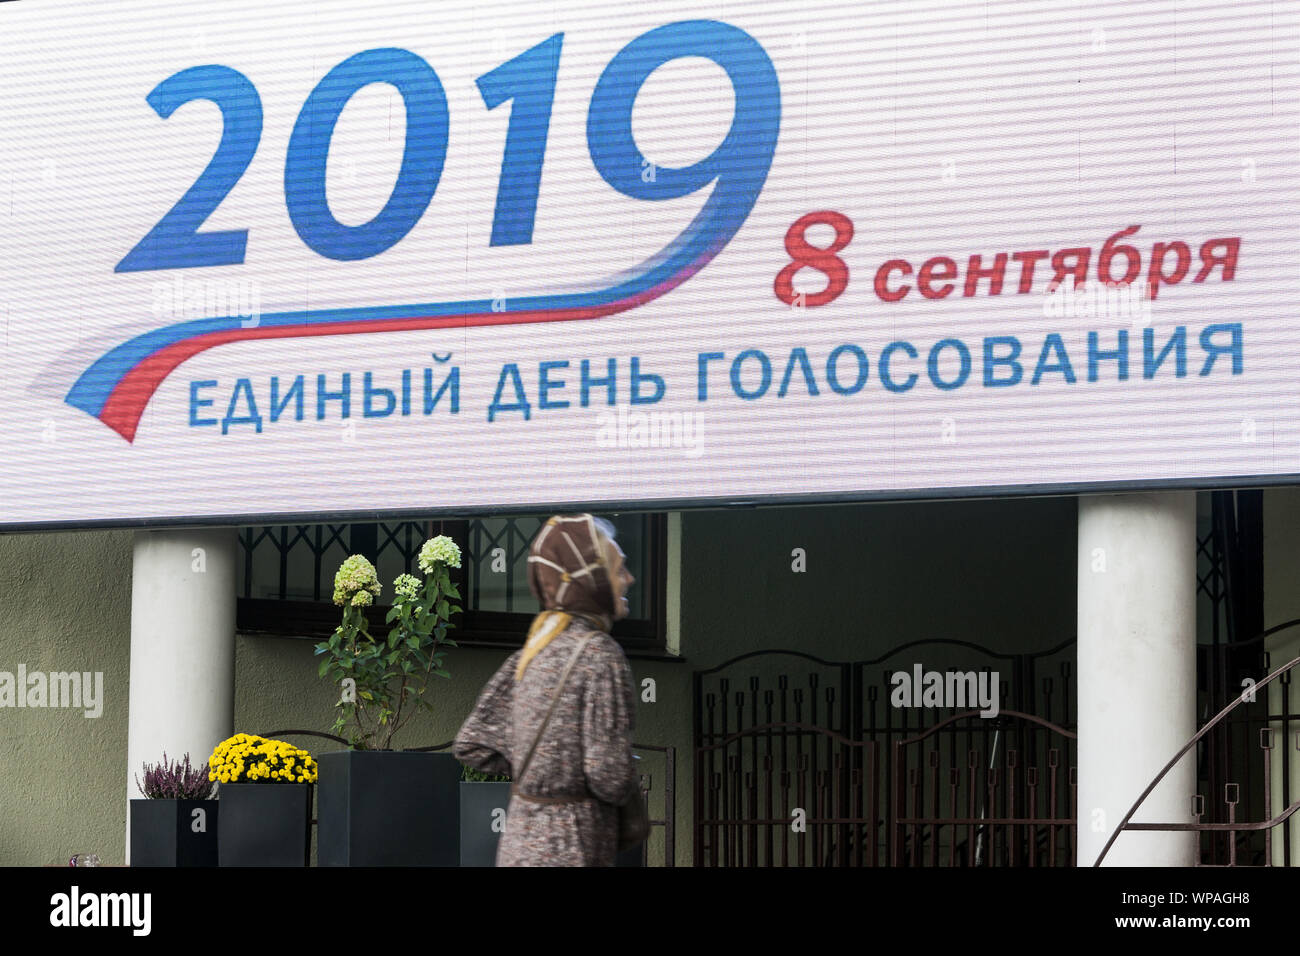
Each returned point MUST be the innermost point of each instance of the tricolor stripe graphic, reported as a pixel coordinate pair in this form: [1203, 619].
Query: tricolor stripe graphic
[118, 386]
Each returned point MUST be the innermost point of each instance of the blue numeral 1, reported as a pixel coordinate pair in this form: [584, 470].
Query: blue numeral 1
[528, 79]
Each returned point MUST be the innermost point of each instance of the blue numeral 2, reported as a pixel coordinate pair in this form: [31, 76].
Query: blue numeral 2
[175, 242]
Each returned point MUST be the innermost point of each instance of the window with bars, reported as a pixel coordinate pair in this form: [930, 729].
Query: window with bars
[287, 576]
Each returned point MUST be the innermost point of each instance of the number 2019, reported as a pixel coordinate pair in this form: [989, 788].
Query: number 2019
[528, 80]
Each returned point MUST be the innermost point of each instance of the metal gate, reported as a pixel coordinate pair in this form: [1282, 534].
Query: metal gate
[1011, 801]
[801, 761]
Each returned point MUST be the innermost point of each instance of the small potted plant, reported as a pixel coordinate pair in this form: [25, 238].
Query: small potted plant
[378, 806]
[176, 822]
[484, 798]
[265, 794]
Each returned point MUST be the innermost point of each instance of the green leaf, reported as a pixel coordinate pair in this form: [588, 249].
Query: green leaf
[324, 666]
[367, 695]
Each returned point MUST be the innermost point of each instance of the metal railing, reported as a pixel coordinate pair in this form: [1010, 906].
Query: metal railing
[1019, 810]
[785, 739]
[1233, 828]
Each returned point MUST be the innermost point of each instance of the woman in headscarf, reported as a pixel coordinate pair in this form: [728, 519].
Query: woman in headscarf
[564, 810]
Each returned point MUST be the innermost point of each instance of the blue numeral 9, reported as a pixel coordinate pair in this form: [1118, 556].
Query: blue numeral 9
[740, 163]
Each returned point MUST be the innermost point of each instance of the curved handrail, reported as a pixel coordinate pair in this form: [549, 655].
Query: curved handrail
[893, 651]
[1240, 698]
[1231, 827]
[979, 647]
[750, 731]
[1268, 632]
[975, 713]
[771, 650]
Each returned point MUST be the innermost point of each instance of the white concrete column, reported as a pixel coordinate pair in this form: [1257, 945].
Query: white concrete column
[1137, 672]
[182, 697]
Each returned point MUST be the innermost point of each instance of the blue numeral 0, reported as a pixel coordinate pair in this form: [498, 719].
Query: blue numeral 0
[422, 159]
[175, 242]
[740, 163]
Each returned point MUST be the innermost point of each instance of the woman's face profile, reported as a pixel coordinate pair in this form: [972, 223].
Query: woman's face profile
[622, 579]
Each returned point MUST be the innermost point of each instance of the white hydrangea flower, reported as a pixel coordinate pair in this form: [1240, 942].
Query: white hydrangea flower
[406, 585]
[441, 548]
[356, 576]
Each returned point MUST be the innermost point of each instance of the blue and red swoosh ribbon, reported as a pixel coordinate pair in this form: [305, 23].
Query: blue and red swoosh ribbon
[118, 386]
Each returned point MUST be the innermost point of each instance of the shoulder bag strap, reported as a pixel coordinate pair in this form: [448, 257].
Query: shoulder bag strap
[555, 699]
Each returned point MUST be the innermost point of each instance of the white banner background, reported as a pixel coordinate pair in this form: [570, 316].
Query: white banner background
[937, 128]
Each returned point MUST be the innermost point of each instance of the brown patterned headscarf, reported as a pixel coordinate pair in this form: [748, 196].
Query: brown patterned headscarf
[568, 572]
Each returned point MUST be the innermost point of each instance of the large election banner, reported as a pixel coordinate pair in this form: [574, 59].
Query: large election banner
[271, 260]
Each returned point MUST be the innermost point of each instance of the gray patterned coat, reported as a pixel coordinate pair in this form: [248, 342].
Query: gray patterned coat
[586, 749]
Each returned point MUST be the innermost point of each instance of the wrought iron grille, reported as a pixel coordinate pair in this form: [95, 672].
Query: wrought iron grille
[1005, 794]
[498, 566]
[287, 573]
[784, 740]
[1250, 816]
[1230, 758]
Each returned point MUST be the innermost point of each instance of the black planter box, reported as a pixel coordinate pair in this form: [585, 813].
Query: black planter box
[163, 832]
[388, 808]
[483, 807]
[264, 824]
[631, 857]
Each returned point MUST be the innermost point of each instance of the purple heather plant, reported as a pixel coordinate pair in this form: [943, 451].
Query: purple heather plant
[175, 780]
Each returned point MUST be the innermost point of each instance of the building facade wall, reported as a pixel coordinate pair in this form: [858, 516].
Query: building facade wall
[998, 572]
[67, 607]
